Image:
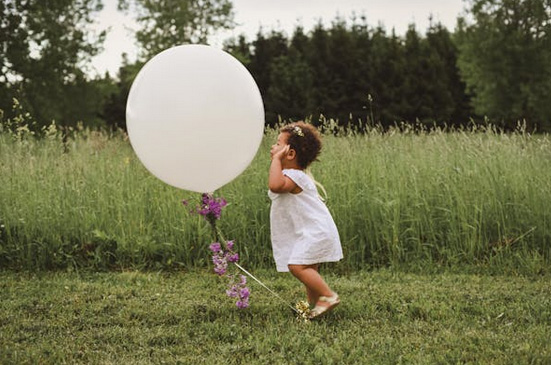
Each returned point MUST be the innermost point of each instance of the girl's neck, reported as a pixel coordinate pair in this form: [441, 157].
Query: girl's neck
[290, 164]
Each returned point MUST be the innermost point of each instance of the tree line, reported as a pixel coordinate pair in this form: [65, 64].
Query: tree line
[495, 66]
[352, 73]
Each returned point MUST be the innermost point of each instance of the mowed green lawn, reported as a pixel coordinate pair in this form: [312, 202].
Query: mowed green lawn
[184, 317]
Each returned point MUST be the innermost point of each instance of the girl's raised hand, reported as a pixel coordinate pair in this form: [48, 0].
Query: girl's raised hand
[281, 153]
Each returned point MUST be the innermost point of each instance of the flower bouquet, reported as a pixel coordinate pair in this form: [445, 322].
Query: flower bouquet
[223, 252]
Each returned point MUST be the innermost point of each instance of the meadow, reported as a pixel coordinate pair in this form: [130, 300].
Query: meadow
[446, 235]
[469, 199]
[386, 317]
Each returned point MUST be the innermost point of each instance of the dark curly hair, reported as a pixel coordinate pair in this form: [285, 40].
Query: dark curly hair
[305, 140]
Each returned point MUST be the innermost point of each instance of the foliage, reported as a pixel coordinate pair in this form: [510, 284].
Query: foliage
[495, 66]
[505, 59]
[45, 46]
[330, 72]
[114, 111]
[290, 85]
[169, 23]
[386, 317]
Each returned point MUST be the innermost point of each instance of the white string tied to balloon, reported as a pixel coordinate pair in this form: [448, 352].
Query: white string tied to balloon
[266, 287]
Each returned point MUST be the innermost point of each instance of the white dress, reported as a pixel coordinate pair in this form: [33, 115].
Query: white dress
[302, 229]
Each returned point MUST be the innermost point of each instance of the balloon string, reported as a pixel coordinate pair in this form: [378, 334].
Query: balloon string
[265, 287]
[218, 234]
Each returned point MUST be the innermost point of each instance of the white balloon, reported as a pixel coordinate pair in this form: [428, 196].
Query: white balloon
[195, 117]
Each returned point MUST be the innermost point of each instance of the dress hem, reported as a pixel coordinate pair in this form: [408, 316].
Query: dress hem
[306, 262]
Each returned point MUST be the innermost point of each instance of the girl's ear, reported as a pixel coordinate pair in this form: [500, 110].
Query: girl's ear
[291, 154]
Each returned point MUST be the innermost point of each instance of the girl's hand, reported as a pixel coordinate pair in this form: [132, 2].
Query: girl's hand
[281, 153]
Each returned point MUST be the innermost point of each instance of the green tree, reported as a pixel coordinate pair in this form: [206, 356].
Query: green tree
[352, 73]
[427, 95]
[316, 57]
[361, 75]
[454, 105]
[505, 59]
[45, 46]
[114, 111]
[342, 64]
[239, 48]
[168, 23]
[289, 93]
[388, 76]
[266, 49]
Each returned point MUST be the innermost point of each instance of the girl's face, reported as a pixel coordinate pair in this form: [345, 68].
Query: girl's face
[280, 143]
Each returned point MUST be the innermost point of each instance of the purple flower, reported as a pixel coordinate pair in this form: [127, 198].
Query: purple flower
[238, 289]
[230, 244]
[243, 280]
[215, 247]
[232, 292]
[220, 264]
[220, 270]
[244, 293]
[241, 304]
[211, 208]
[232, 257]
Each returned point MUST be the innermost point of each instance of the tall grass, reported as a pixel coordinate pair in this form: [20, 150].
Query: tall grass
[401, 197]
[460, 197]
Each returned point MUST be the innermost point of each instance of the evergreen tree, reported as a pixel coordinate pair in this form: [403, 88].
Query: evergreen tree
[388, 76]
[361, 76]
[353, 73]
[289, 94]
[457, 110]
[316, 57]
[427, 95]
[300, 41]
[266, 51]
[340, 63]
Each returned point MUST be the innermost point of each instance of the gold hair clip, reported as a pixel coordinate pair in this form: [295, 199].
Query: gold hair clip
[298, 131]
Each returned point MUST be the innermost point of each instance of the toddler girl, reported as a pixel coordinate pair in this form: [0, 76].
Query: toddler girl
[302, 229]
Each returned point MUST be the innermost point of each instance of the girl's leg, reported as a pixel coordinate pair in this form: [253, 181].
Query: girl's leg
[315, 285]
[312, 295]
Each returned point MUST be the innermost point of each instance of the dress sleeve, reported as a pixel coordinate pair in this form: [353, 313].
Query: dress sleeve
[300, 178]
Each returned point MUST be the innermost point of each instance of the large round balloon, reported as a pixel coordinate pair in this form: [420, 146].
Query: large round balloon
[195, 117]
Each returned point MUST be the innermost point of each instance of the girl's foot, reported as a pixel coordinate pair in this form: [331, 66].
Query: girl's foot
[324, 305]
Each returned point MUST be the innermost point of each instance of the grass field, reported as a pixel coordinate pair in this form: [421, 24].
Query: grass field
[386, 318]
[446, 236]
[477, 198]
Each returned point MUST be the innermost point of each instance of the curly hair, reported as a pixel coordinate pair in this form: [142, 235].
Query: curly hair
[305, 140]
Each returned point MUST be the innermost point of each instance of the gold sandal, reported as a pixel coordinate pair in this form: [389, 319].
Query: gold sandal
[320, 310]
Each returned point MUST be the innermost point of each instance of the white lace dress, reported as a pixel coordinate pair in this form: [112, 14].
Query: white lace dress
[302, 229]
